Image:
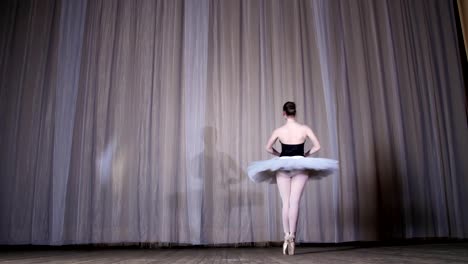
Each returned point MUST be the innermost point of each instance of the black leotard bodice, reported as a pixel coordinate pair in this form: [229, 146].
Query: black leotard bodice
[292, 150]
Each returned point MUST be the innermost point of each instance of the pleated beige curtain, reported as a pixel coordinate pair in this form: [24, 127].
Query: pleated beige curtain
[134, 121]
[463, 13]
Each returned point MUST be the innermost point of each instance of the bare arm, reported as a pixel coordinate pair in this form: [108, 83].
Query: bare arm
[269, 146]
[315, 142]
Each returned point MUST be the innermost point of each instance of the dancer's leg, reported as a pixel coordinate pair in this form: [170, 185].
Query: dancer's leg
[297, 187]
[284, 186]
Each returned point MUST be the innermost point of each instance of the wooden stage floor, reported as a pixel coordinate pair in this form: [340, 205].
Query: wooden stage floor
[451, 252]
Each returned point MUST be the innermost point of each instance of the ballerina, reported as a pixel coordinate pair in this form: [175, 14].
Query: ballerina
[291, 169]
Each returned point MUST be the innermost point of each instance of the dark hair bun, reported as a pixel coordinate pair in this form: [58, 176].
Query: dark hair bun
[289, 108]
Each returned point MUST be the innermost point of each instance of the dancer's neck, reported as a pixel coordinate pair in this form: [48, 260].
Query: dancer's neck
[290, 120]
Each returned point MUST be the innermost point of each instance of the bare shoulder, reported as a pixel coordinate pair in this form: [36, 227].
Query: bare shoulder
[306, 128]
[275, 131]
[278, 130]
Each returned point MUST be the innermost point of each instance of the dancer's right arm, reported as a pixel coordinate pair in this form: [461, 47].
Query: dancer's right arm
[269, 146]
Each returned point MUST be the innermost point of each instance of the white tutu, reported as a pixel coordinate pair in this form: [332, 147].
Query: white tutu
[265, 170]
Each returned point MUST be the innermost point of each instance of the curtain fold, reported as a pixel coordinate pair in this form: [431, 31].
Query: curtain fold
[463, 13]
[134, 121]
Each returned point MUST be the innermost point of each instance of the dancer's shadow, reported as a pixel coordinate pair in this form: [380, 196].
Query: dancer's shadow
[225, 204]
[219, 204]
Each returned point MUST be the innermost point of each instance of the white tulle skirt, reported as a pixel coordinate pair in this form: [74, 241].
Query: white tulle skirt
[265, 170]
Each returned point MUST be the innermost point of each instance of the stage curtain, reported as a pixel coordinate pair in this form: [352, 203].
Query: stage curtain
[463, 13]
[134, 121]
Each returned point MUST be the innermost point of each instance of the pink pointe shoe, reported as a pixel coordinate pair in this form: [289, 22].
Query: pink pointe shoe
[288, 244]
[291, 244]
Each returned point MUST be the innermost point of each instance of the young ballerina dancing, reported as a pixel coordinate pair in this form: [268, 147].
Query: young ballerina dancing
[291, 169]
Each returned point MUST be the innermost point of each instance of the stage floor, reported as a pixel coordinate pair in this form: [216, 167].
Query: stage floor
[456, 252]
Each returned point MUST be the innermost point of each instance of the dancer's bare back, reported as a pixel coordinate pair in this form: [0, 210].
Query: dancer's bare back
[292, 133]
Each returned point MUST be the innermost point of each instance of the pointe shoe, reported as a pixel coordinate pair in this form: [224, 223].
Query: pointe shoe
[291, 244]
[286, 243]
